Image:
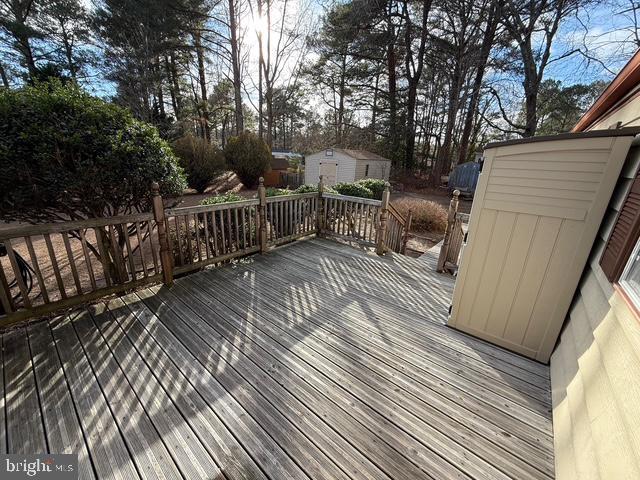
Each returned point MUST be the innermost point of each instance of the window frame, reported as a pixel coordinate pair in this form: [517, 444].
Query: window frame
[631, 293]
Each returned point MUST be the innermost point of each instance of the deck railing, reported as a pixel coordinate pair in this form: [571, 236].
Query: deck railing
[54, 266]
[453, 237]
[209, 234]
[350, 217]
[289, 217]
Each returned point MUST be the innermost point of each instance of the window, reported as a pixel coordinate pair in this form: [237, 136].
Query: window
[366, 170]
[622, 241]
[328, 152]
[630, 278]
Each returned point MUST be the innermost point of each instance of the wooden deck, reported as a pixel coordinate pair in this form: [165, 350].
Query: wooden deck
[313, 361]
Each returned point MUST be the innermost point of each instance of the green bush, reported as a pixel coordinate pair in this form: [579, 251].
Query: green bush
[353, 190]
[276, 192]
[313, 188]
[222, 198]
[64, 153]
[248, 156]
[201, 161]
[376, 186]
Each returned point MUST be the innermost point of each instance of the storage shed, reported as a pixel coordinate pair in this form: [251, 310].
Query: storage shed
[278, 165]
[342, 165]
[537, 210]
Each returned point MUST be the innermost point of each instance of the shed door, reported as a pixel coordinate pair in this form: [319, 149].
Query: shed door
[536, 213]
[329, 172]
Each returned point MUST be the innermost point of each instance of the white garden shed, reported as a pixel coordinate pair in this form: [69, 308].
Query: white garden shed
[342, 165]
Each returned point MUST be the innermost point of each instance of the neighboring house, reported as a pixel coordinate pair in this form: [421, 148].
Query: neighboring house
[595, 368]
[342, 165]
[552, 271]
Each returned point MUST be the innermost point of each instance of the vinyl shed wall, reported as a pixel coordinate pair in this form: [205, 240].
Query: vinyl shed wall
[377, 169]
[595, 367]
[346, 167]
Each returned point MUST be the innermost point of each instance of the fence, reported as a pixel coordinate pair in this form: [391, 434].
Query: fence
[70, 263]
[453, 237]
[291, 179]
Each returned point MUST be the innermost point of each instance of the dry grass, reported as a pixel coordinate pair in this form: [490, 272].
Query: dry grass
[427, 216]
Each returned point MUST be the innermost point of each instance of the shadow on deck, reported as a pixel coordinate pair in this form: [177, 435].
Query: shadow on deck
[314, 360]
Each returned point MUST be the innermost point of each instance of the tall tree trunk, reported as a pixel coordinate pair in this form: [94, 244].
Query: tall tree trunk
[413, 79]
[485, 50]
[531, 86]
[374, 109]
[443, 161]
[172, 87]
[392, 88]
[341, 95]
[235, 65]
[203, 84]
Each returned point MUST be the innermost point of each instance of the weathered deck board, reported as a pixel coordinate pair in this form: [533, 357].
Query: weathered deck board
[109, 454]
[376, 362]
[25, 431]
[314, 361]
[64, 432]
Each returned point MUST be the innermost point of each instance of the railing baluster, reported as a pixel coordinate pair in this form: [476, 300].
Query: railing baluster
[235, 217]
[223, 241]
[230, 231]
[176, 220]
[127, 240]
[72, 263]
[187, 227]
[118, 255]
[214, 224]
[87, 259]
[54, 265]
[103, 255]
[197, 228]
[138, 226]
[17, 275]
[205, 222]
[36, 268]
[5, 292]
[244, 228]
[154, 250]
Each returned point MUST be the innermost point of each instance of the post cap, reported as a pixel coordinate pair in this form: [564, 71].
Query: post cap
[155, 188]
[456, 193]
[261, 181]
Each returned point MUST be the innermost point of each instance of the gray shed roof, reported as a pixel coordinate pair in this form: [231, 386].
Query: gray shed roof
[361, 154]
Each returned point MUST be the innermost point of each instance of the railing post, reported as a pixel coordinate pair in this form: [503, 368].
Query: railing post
[262, 215]
[166, 260]
[451, 218]
[384, 214]
[405, 236]
[320, 207]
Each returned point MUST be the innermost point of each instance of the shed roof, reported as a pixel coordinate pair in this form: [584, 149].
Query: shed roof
[361, 154]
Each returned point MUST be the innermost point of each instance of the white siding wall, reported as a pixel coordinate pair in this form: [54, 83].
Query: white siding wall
[346, 167]
[377, 169]
[595, 370]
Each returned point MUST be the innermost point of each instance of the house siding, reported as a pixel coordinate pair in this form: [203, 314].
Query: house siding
[595, 367]
[626, 111]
